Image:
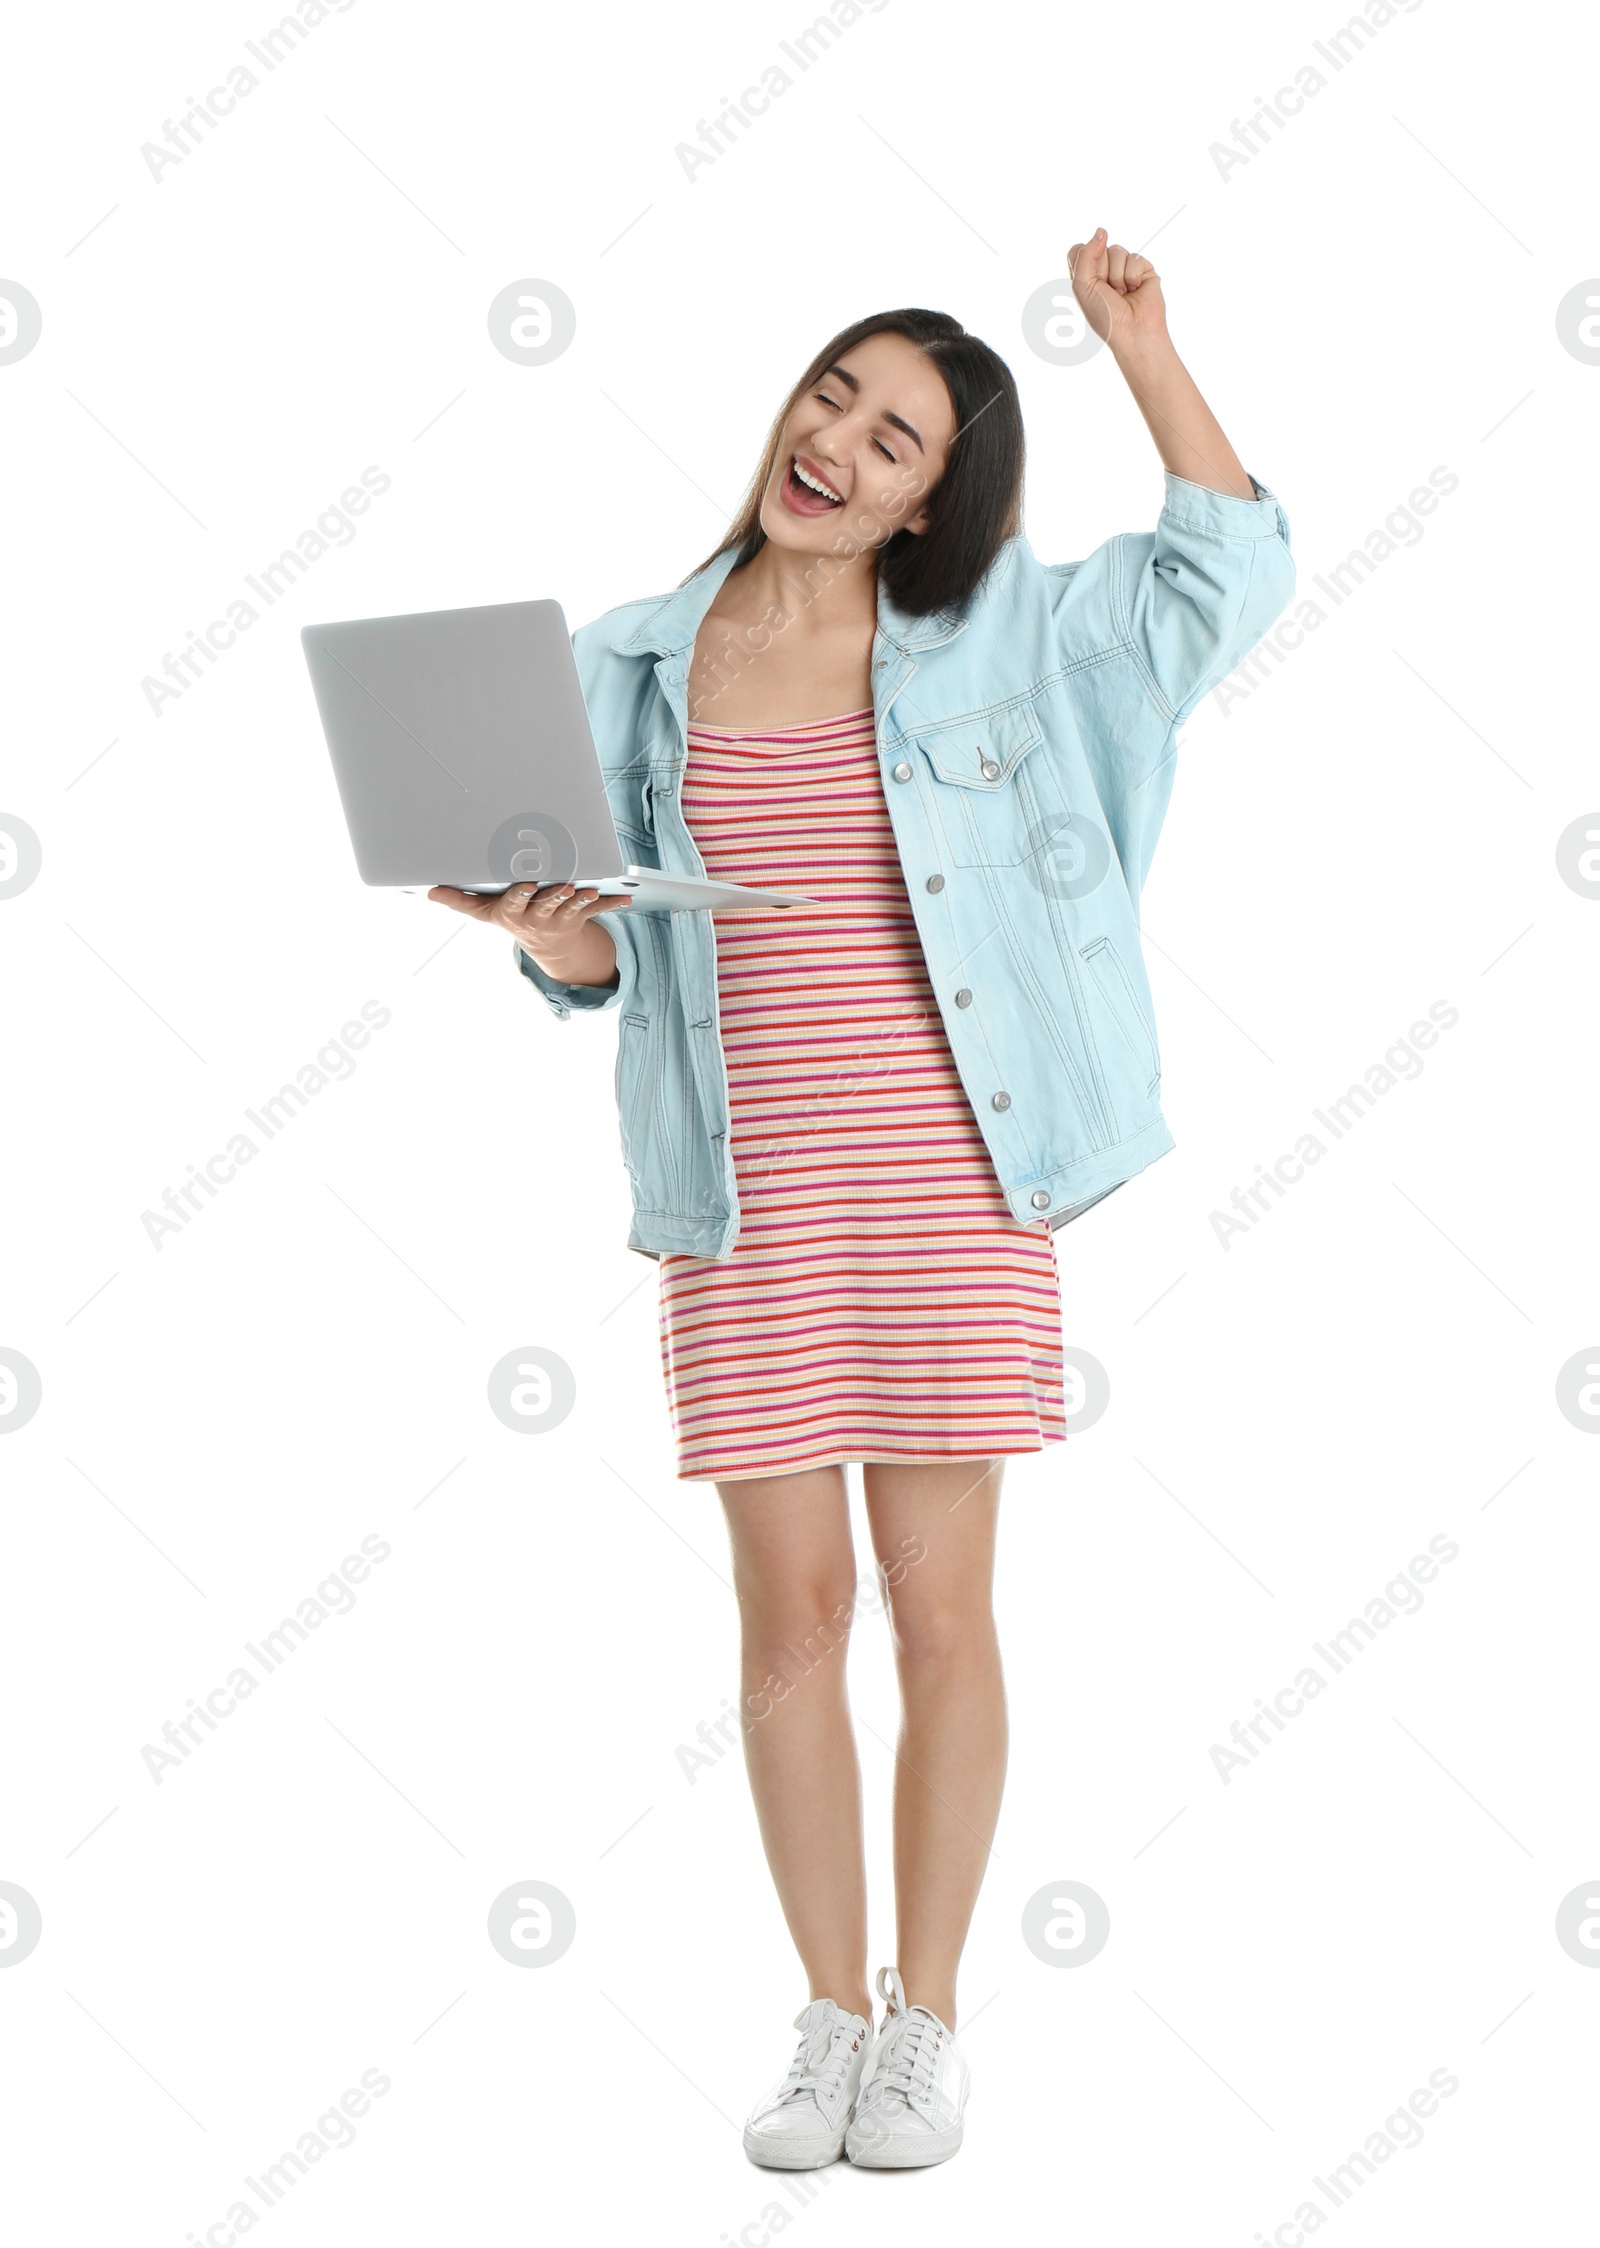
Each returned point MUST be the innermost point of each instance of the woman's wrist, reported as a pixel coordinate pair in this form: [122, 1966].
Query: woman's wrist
[1149, 353]
[590, 959]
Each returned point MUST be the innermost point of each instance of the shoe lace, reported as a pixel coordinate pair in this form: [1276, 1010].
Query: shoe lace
[820, 2061]
[909, 2059]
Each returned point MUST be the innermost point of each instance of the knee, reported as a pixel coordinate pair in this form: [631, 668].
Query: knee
[945, 1634]
[802, 1621]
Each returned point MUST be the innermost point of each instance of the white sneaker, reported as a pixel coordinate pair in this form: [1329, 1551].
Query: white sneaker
[908, 2111]
[801, 2123]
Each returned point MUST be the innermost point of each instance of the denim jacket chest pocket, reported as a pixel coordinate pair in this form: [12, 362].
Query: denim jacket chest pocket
[996, 800]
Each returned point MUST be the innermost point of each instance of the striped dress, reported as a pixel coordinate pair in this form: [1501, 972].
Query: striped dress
[881, 1302]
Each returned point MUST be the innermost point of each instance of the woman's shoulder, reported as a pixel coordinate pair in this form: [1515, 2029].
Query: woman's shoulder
[655, 621]
[614, 627]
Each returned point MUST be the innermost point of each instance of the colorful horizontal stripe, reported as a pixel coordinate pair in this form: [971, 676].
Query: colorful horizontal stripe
[881, 1302]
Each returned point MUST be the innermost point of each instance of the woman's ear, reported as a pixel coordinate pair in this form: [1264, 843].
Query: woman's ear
[918, 523]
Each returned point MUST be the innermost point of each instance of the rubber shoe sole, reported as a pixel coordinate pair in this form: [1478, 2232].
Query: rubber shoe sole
[875, 2150]
[773, 2152]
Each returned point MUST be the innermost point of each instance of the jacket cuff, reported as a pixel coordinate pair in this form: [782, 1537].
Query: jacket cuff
[1223, 515]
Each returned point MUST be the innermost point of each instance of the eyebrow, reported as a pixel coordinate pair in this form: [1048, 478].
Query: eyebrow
[895, 421]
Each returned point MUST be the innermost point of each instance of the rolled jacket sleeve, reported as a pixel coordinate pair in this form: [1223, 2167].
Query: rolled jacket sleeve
[1201, 589]
[564, 998]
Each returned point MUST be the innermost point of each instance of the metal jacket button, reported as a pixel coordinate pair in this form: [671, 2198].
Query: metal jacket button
[936, 882]
[1041, 1200]
[963, 997]
[991, 770]
[902, 771]
[1001, 1100]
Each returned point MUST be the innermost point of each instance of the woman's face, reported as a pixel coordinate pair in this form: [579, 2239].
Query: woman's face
[876, 428]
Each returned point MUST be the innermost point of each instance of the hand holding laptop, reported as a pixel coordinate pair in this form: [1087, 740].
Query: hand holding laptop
[551, 923]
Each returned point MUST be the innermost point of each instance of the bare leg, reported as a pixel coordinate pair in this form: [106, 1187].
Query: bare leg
[794, 1571]
[933, 1530]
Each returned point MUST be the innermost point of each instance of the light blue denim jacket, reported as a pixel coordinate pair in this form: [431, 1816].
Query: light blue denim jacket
[1026, 748]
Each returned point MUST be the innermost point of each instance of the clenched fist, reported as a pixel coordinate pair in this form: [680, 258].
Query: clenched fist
[1119, 290]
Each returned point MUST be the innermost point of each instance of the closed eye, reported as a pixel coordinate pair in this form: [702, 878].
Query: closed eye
[878, 441]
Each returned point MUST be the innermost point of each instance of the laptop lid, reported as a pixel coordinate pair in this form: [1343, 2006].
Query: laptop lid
[461, 746]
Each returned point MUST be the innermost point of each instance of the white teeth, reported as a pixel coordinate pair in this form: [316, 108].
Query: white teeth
[815, 483]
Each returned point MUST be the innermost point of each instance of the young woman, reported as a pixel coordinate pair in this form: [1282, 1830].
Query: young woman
[852, 1128]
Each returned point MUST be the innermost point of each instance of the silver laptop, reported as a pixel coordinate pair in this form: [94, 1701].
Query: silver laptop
[462, 750]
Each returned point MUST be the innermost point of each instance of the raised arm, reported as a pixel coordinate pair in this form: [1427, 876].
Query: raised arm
[1120, 293]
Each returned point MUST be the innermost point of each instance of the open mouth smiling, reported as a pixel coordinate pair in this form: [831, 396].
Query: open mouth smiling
[807, 491]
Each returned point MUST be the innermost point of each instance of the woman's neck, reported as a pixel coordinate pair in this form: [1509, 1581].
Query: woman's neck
[820, 592]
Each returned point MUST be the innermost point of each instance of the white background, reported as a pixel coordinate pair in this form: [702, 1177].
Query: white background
[1291, 1420]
